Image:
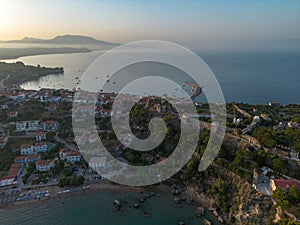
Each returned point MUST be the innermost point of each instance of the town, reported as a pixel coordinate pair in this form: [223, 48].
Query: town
[40, 159]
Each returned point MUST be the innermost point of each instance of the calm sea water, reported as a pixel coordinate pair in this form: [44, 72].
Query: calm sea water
[252, 77]
[97, 208]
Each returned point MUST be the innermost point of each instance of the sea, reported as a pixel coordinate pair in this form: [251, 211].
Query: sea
[96, 208]
[254, 77]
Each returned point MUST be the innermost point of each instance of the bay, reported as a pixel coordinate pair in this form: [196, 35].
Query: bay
[96, 208]
[250, 77]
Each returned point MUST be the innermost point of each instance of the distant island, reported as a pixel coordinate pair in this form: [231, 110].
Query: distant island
[64, 40]
[57, 45]
[16, 73]
[13, 53]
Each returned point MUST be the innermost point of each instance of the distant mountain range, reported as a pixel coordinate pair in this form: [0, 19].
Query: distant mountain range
[64, 39]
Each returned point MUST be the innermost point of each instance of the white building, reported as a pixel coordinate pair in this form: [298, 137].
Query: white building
[44, 165]
[27, 125]
[27, 158]
[21, 126]
[98, 163]
[12, 114]
[69, 155]
[40, 147]
[3, 140]
[33, 125]
[49, 125]
[73, 156]
[40, 136]
[27, 149]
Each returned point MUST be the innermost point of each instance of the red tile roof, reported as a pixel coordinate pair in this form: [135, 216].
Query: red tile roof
[286, 183]
[20, 158]
[40, 143]
[44, 162]
[40, 133]
[26, 146]
[13, 171]
[73, 153]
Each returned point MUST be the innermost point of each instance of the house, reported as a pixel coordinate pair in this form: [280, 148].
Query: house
[294, 124]
[4, 106]
[33, 125]
[20, 96]
[284, 184]
[21, 159]
[27, 158]
[73, 156]
[27, 149]
[50, 99]
[105, 112]
[27, 125]
[98, 163]
[281, 126]
[21, 126]
[44, 165]
[49, 125]
[63, 153]
[40, 146]
[12, 114]
[33, 158]
[3, 140]
[69, 155]
[40, 136]
[14, 171]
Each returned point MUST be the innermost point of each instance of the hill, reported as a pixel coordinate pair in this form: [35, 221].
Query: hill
[64, 39]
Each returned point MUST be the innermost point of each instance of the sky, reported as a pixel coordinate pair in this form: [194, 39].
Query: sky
[191, 23]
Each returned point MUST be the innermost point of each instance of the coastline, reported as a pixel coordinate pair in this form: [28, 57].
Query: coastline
[94, 187]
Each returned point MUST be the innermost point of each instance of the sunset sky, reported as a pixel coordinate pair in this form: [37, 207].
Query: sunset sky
[193, 23]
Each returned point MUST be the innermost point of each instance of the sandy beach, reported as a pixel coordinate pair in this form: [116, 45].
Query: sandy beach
[56, 192]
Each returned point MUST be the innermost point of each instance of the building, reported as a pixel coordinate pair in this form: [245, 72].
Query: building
[73, 156]
[27, 125]
[98, 163]
[40, 147]
[44, 165]
[33, 125]
[21, 159]
[27, 158]
[40, 136]
[62, 153]
[21, 126]
[49, 125]
[13, 173]
[284, 184]
[33, 158]
[69, 155]
[12, 114]
[20, 96]
[3, 140]
[27, 149]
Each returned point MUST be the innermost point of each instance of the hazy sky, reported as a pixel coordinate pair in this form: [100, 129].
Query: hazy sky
[192, 23]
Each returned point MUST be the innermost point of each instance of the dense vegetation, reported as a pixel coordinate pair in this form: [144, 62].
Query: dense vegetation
[18, 72]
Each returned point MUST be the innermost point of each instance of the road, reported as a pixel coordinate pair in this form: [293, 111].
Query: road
[67, 144]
